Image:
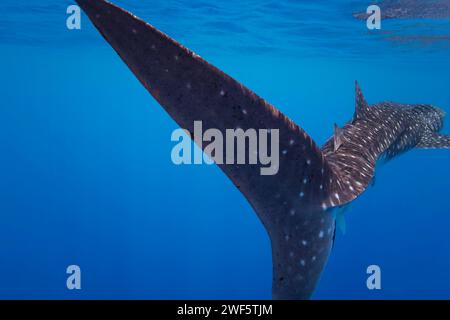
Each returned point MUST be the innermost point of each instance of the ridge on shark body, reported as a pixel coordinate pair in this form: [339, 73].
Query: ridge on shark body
[296, 204]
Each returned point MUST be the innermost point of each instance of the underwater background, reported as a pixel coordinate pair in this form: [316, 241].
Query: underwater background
[86, 175]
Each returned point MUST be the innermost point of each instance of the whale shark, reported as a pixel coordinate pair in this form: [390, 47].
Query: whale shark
[418, 33]
[411, 9]
[296, 205]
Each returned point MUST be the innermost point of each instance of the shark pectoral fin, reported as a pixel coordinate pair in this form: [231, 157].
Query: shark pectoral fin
[292, 201]
[339, 216]
[361, 104]
[434, 141]
[340, 222]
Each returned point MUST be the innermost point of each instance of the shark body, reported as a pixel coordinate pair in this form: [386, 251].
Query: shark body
[411, 9]
[379, 132]
[295, 204]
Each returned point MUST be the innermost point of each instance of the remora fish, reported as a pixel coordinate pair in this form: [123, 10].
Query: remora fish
[294, 205]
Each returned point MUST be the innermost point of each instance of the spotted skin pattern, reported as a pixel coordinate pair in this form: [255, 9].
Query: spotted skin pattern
[295, 204]
[379, 132]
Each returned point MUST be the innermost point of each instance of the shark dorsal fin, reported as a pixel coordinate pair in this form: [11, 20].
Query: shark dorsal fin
[338, 137]
[361, 103]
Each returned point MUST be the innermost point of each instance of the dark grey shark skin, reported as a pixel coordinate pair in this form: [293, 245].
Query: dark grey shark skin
[295, 204]
[411, 9]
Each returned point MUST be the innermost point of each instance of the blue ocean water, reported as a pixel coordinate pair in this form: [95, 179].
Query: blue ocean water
[86, 176]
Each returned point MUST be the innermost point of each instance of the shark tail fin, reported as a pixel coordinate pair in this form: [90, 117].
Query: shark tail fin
[434, 141]
[292, 203]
